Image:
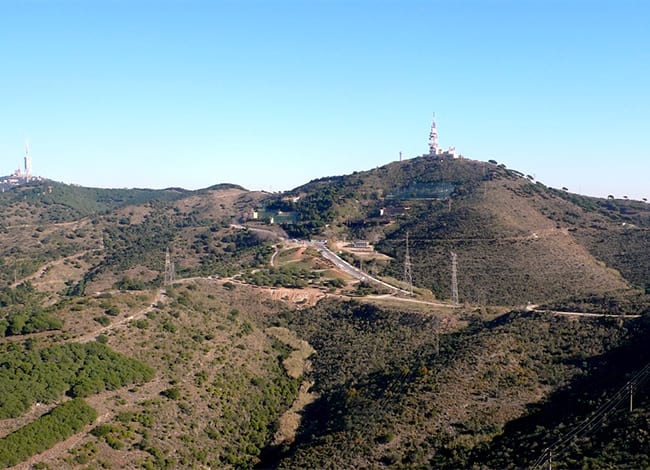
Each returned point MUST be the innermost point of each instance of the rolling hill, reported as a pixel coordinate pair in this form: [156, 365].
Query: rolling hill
[260, 352]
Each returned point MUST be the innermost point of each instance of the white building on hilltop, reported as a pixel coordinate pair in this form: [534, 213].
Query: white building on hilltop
[21, 175]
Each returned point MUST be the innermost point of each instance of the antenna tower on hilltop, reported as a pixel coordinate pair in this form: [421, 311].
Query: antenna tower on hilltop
[433, 137]
[28, 160]
[408, 275]
[454, 278]
[170, 273]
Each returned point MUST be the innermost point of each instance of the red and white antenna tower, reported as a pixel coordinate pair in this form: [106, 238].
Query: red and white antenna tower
[433, 137]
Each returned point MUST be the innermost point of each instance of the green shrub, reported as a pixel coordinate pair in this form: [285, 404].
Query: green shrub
[112, 310]
[104, 321]
[172, 393]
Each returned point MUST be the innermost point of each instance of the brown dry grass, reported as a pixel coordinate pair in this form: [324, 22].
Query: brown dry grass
[290, 421]
[296, 364]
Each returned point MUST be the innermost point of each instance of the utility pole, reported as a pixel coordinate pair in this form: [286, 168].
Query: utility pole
[169, 269]
[454, 278]
[408, 275]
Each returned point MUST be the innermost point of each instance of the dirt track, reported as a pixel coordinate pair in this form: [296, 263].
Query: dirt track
[160, 297]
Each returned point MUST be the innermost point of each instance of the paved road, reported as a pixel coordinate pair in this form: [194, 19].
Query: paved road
[349, 269]
[328, 254]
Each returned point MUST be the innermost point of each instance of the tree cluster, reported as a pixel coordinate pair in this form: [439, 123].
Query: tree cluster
[41, 434]
[21, 312]
[30, 376]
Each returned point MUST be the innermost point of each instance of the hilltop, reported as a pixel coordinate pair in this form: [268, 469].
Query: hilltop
[253, 345]
[517, 240]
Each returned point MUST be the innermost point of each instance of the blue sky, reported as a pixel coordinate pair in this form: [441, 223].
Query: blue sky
[270, 94]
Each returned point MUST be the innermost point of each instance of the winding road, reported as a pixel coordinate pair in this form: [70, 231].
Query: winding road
[349, 269]
[326, 253]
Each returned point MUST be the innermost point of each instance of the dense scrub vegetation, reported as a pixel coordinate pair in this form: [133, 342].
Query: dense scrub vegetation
[29, 375]
[21, 312]
[388, 396]
[41, 434]
[317, 208]
[229, 252]
[214, 248]
[142, 244]
[616, 303]
[455, 388]
[221, 385]
[618, 440]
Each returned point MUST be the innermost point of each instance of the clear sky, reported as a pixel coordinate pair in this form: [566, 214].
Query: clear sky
[270, 94]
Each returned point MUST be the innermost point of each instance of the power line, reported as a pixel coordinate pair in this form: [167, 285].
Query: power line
[596, 420]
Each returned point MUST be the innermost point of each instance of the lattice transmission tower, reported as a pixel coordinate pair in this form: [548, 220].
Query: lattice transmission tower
[454, 278]
[170, 272]
[408, 275]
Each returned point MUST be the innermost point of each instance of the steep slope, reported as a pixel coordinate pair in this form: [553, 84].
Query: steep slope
[216, 378]
[508, 251]
[417, 407]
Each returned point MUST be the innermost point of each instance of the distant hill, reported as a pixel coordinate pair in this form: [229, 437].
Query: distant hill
[44, 221]
[51, 201]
